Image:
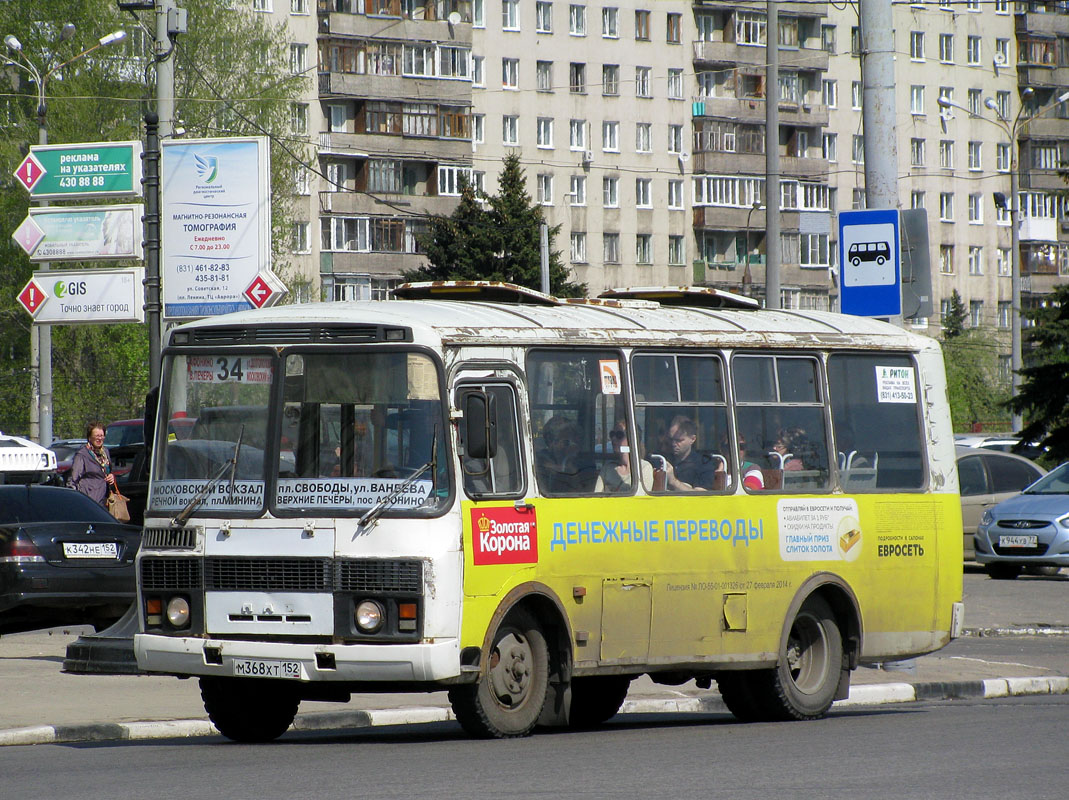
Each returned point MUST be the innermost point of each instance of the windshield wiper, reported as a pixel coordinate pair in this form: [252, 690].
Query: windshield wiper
[230, 464]
[371, 516]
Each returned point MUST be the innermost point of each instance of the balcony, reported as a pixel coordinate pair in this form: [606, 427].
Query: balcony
[394, 87]
[752, 110]
[359, 203]
[360, 25]
[361, 145]
[803, 58]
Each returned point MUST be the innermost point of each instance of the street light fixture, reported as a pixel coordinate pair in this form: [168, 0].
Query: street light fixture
[1012, 129]
[747, 278]
[41, 336]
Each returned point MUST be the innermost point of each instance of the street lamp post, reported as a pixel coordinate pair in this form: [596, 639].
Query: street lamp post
[1012, 129]
[41, 335]
[747, 278]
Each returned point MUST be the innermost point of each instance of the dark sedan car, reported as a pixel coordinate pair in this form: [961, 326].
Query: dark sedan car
[63, 560]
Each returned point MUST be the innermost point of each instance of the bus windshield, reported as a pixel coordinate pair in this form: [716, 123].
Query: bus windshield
[352, 429]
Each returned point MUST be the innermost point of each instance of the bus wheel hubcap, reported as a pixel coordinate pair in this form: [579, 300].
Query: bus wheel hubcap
[510, 670]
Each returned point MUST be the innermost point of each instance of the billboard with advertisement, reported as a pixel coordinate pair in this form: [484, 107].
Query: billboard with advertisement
[216, 223]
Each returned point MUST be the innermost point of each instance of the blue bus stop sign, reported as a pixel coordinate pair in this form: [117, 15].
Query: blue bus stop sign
[870, 277]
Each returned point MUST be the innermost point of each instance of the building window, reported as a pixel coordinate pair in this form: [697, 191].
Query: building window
[337, 117]
[677, 251]
[644, 248]
[302, 184]
[642, 25]
[261, 5]
[750, 28]
[610, 23]
[675, 139]
[544, 189]
[510, 73]
[577, 78]
[1003, 265]
[857, 199]
[972, 51]
[976, 209]
[828, 146]
[974, 102]
[946, 48]
[451, 180]
[946, 206]
[610, 248]
[1002, 6]
[814, 250]
[916, 199]
[543, 17]
[1005, 310]
[855, 95]
[674, 31]
[298, 58]
[299, 118]
[916, 45]
[976, 260]
[643, 198]
[298, 6]
[642, 82]
[478, 13]
[975, 150]
[946, 154]
[1002, 104]
[477, 78]
[577, 20]
[544, 76]
[1002, 51]
[829, 93]
[545, 132]
[610, 192]
[510, 129]
[827, 38]
[675, 194]
[418, 60]
[577, 190]
[610, 79]
[675, 84]
[643, 138]
[976, 313]
[916, 99]
[946, 260]
[578, 248]
[510, 15]
[610, 136]
[301, 240]
[577, 134]
[858, 153]
[478, 128]
[385, 175]
[916, 152]
[1045, 155]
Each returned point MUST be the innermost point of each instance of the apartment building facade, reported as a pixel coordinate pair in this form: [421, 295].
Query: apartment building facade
[641, 129]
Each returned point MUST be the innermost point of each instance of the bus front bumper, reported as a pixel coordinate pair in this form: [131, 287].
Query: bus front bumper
[356, 663]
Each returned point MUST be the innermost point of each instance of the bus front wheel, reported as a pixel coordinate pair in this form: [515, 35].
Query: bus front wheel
[247, 710]
[508, 698]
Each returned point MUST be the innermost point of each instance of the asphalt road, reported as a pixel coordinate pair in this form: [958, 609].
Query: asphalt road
[963, 749]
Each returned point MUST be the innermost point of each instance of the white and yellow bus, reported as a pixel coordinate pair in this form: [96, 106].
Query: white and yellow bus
[529, 502]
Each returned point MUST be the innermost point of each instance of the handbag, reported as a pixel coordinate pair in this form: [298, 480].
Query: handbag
[116, 505]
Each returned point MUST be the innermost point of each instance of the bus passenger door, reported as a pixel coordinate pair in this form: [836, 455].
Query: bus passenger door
[626, 613]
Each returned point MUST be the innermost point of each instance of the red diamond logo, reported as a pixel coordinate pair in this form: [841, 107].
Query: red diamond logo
[29, 172]
[32, 297]
[259, 292]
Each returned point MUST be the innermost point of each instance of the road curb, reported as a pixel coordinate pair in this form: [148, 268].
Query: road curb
[863, 695]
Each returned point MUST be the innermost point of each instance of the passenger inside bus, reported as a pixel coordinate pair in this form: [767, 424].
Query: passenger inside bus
[614, 477]
[562, 469]
[687, 468]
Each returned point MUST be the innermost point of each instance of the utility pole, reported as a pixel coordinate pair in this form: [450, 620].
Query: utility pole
[772, 193]
[878, 107]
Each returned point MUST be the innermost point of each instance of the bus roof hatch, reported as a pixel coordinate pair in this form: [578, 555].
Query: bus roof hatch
[486, 291]
[700, 296]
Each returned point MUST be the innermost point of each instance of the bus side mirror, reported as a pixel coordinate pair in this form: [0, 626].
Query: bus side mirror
[480, 425]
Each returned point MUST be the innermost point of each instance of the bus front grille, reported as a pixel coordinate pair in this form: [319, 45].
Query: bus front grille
[268, 574]
[169, 574]
[380, 575]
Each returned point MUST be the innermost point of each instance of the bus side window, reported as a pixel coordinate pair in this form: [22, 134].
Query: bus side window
[502, 472]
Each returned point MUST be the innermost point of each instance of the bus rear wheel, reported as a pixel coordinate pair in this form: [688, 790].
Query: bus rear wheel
[804, 682]
[249, 710]
[508, 698]
[596, 699]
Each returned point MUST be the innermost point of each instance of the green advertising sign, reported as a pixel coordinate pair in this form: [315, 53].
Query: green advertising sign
[94, 169]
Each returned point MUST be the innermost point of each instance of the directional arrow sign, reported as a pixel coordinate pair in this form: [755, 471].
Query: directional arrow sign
[32, 297]
[28, 235]
[259, 292]
[29, 172]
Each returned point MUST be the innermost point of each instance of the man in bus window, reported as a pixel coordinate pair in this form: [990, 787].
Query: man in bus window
[560, 467]
[687, 469]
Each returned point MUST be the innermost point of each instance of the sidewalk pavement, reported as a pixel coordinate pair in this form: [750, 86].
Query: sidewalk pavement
[43, 705]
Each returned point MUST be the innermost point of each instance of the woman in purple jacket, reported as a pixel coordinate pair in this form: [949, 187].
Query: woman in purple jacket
[91, 466]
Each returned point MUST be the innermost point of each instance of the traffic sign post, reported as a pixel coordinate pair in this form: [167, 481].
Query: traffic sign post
[869, 263]
[73, 171]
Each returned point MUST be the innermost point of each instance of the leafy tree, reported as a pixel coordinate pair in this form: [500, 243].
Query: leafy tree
[954, 323]
[498, 243]
[1044, 388]
[101, 370]
[971, 359]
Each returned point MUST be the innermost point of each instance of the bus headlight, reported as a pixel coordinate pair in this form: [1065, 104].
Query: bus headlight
[178, 612]
[369, 616]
